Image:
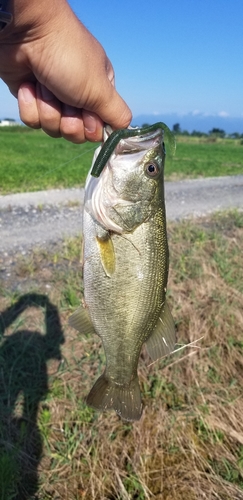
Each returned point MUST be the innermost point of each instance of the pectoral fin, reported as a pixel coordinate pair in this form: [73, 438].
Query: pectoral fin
[81, 321]
[162, 340]
[107, 254]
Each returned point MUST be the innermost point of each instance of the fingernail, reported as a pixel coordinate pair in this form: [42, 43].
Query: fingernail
[46, 94]
[26, 94]
[90, 123]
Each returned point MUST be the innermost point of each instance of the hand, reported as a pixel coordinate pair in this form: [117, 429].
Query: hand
[59, 72]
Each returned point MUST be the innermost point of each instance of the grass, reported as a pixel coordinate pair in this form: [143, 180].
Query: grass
[206, 157]
[31, 160]
[188, 444]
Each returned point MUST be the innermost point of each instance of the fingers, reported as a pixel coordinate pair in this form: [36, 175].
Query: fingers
[71, 124]
[93, 126]
[49, 109]
[39, 108]
[28, 110]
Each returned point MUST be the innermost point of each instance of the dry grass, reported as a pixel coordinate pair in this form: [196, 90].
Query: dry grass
[189, 442]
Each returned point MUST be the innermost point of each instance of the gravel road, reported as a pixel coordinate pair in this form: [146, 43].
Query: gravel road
[36, 219]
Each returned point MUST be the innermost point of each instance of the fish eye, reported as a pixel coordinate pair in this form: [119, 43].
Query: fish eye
[152, 169]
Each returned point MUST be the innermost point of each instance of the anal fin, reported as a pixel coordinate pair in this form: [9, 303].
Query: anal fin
[162, 340]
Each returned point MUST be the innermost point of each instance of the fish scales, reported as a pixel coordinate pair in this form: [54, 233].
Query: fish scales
[109, 298]
[125, 271]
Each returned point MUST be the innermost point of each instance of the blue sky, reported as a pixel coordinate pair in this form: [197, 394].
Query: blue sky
[169, 56]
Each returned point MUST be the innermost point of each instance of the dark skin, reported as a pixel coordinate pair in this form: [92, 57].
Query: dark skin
[59, 72]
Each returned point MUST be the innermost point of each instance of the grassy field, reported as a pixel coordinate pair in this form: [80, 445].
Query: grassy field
[30, 160]
[206, 157]
[189, 442]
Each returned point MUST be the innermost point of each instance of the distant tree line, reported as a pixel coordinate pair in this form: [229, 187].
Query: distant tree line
[215, 132]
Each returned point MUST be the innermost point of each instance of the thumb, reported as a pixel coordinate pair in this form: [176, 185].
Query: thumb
[111, 108]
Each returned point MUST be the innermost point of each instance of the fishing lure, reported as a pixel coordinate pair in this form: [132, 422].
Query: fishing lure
[124, 133]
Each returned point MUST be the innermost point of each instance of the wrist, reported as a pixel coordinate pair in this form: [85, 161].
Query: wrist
[29, 17]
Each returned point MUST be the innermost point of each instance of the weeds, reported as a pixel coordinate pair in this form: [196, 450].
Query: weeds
[188, 444]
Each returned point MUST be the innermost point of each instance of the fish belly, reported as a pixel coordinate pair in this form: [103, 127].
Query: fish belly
[124, 307]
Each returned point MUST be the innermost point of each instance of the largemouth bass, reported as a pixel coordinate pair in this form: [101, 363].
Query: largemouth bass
[125, 267]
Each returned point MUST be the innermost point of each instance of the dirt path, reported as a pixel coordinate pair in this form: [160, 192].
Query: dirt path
[37, 219]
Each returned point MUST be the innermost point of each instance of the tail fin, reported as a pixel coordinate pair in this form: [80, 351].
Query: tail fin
[125, 400]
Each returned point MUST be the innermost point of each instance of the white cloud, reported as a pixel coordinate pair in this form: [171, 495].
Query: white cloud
[223, 114]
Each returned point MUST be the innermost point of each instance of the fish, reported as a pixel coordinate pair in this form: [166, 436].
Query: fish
[126, 264]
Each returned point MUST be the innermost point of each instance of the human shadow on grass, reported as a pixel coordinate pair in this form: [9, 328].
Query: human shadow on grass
[23, 384]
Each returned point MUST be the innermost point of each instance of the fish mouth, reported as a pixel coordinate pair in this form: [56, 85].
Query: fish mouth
[135, 144]
[124, 140]
[136, 134]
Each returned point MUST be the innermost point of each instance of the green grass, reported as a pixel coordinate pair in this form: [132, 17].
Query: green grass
[30, 160]
[188, 444]
[202, 158]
